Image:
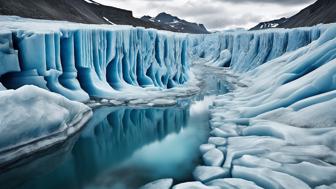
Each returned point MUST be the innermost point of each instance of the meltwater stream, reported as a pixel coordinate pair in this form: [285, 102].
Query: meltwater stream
[124, 148]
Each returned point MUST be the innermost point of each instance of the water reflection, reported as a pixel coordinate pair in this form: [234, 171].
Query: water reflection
[123, 131]
[41, 163]
[116, 142]
[174, 157]
[119, 135]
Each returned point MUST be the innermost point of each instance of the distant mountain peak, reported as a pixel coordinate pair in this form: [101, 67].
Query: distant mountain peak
[166, 17]
[167, 20]
[164, 14]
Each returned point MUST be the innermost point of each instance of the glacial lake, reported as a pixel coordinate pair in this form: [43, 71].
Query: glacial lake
[124, 148]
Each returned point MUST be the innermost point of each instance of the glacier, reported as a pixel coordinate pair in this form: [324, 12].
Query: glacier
[274, 129]
[81, 61]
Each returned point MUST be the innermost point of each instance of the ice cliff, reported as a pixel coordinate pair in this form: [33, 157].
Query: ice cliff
[81, 61]
[244, 50]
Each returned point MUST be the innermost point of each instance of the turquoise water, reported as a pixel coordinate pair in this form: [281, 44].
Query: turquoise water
[123, 147]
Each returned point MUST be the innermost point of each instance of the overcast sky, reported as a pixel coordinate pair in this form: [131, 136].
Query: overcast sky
[215, 14]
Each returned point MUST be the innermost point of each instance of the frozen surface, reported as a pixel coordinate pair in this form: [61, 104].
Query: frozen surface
[204, 148]
[98, 61]
[213, 157]
[162, 184]
[33, 119]
[194, 185]
[217, 141]
[208, 173]
[280, 125]
[233, 183]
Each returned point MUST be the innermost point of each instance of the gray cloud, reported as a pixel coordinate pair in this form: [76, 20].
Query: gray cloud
[215, 14]
[278, 2]
[223, 22]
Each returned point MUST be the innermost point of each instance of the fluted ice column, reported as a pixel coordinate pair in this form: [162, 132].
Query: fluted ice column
[81, 61]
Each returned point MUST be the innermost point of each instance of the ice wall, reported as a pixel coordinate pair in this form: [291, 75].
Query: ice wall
[244, 50]
[8, 56]
[79, 61]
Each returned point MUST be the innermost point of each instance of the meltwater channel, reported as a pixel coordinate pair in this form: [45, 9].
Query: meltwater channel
[125, 148]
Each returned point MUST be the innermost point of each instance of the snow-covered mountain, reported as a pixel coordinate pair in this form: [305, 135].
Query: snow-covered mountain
[170, 22]
[322, 11]
[269, 24]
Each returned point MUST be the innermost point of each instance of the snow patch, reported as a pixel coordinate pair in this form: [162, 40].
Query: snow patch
[109, 21]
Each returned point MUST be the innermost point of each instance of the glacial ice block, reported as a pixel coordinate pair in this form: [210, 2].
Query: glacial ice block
[52, 118]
